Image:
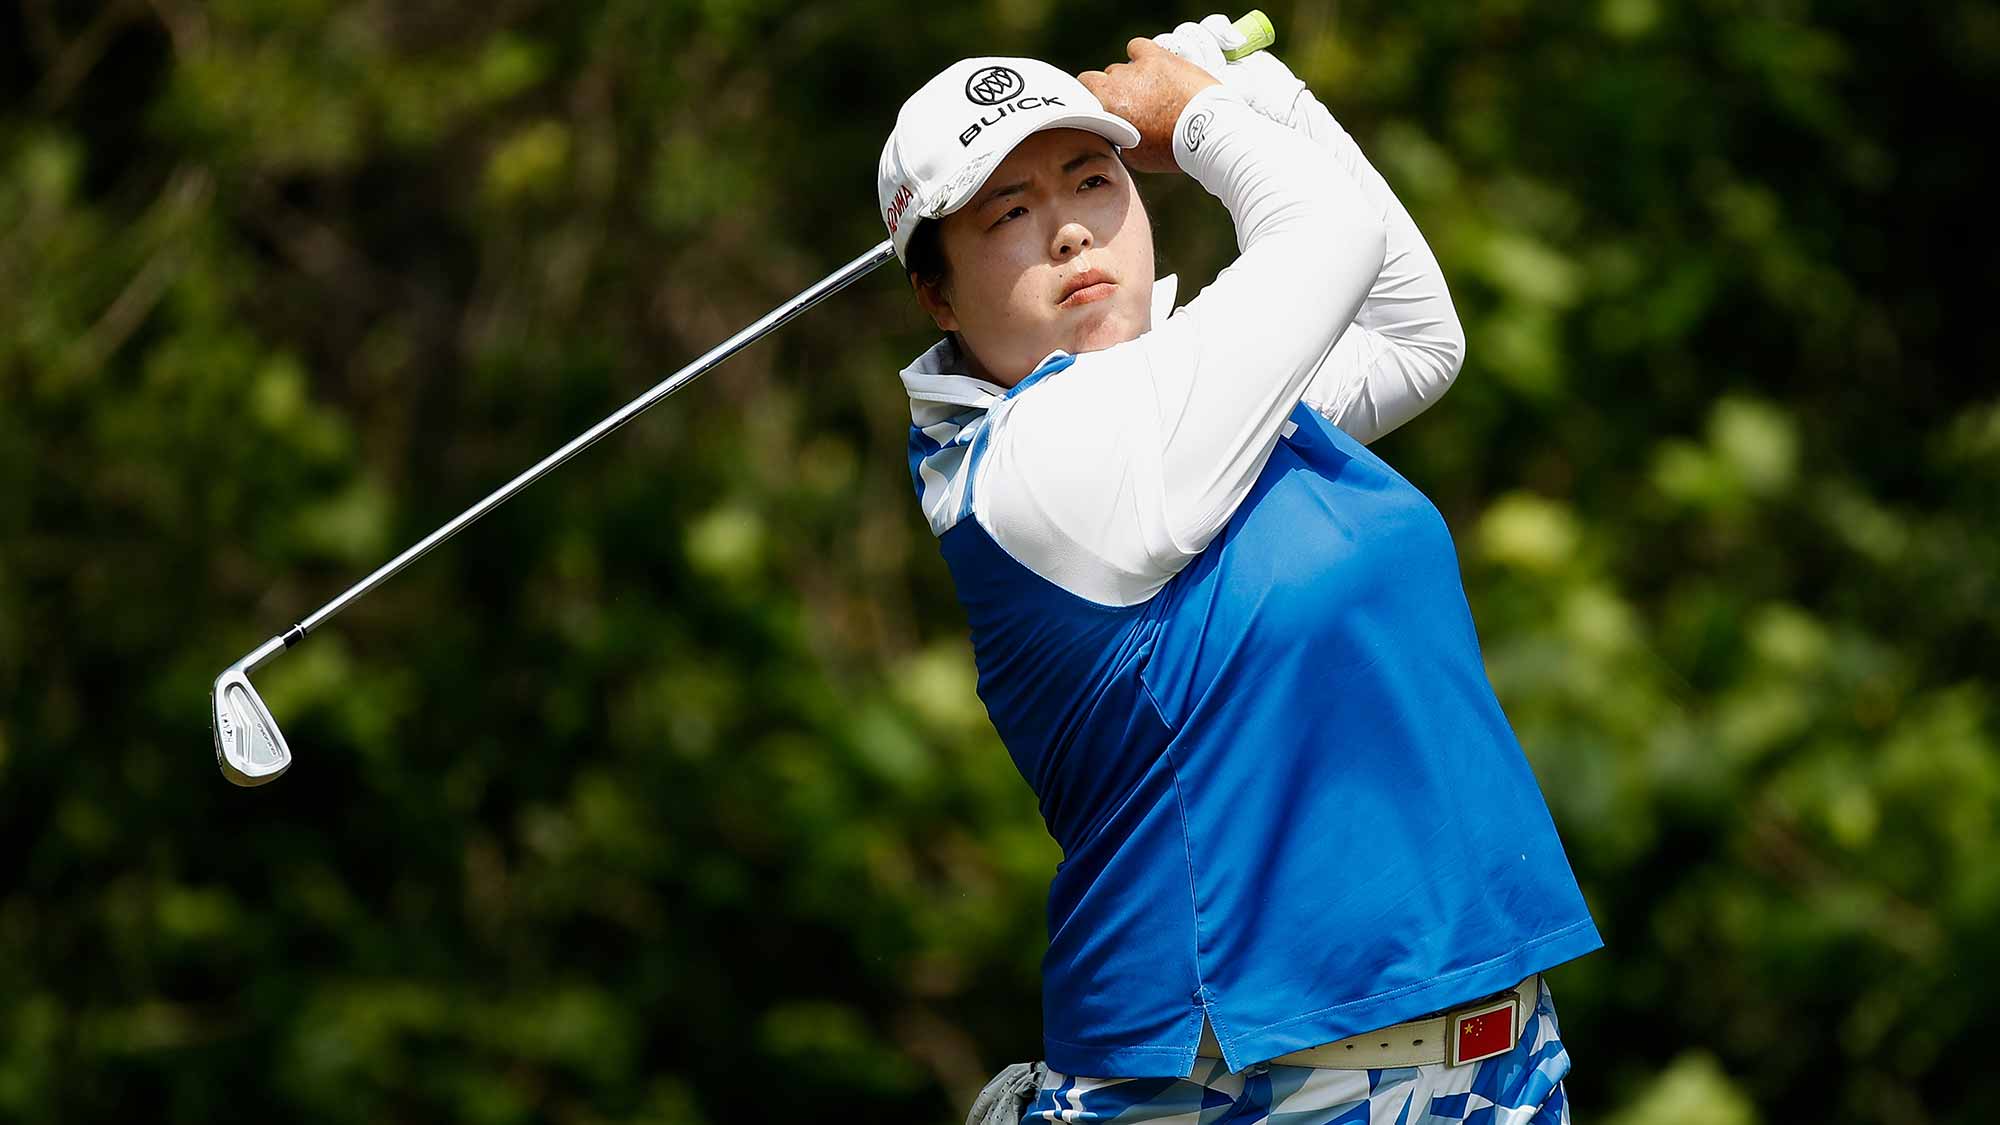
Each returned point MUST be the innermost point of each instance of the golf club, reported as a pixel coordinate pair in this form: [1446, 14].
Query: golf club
[249, 747]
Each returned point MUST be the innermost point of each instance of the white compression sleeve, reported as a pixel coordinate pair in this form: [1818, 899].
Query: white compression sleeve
[1406, 345]
[1108, 478]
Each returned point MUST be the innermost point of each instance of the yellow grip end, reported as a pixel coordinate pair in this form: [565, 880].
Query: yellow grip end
[1257, 33]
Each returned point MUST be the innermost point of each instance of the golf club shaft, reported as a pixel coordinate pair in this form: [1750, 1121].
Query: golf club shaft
[826, 287]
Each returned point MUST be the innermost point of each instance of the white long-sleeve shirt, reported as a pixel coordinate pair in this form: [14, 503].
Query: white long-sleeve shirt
[1111, 475]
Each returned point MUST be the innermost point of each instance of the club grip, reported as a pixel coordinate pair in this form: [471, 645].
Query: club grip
[1257, 32]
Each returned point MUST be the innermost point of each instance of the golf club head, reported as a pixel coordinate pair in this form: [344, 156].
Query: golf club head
[248, 745]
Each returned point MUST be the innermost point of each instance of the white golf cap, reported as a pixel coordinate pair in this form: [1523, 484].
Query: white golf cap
[952, 133]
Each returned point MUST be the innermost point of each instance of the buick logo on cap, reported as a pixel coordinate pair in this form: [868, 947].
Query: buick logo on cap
[991, 85]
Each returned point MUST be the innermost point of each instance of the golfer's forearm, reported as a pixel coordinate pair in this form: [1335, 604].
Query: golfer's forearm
[1406, 345]
[1277, 189]
[1236, 362]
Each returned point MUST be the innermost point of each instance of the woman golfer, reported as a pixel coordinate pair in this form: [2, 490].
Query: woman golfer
[1307, 873]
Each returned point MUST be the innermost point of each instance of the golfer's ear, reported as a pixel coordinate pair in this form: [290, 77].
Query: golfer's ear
[931, 297]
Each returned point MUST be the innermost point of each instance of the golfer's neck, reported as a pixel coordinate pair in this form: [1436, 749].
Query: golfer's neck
[978, 370]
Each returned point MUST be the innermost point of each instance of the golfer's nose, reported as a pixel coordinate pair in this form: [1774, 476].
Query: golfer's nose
[1072, 238]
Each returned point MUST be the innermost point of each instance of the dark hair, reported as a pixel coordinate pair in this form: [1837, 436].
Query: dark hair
[924, 256]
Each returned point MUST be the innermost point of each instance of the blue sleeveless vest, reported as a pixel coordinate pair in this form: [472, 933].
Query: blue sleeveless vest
[1286, 796]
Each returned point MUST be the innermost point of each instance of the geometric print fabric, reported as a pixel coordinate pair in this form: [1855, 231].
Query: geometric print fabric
[1521, 1087]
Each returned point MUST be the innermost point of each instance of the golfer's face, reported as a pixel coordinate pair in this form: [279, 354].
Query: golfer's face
[1054, 252]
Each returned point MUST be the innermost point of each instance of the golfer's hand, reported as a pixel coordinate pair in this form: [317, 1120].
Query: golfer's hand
[1150, 92]
[1260, 79]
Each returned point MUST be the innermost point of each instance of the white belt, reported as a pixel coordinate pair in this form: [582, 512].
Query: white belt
[1468, 1033]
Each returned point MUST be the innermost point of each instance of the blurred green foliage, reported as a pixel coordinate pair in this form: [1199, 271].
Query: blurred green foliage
[663, 795]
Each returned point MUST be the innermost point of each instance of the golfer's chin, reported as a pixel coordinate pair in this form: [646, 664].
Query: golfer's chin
[1096, 329]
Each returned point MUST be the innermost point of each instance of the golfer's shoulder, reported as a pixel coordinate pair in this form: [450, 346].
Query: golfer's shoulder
[1068, 483]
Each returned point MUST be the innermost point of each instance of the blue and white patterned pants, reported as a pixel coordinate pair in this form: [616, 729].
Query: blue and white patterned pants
[1521, 1087]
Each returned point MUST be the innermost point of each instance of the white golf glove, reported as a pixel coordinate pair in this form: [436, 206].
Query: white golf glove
[1260, 79]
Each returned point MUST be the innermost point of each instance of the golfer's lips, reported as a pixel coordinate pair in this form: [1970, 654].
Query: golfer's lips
[1088, 286]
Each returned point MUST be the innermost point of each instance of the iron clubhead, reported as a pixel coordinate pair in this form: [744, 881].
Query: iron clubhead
[248, 745]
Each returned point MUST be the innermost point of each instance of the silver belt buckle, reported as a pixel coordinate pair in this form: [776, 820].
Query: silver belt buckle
[1472, 1033]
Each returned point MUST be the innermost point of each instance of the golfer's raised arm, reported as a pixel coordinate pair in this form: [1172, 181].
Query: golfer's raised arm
[1234, 363]
[1109, 481]
[1405, 345]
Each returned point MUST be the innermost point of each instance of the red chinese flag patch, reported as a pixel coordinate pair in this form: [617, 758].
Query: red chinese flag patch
[1486, 1034]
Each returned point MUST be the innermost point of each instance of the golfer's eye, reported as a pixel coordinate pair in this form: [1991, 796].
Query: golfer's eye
[1009, 215]
[1094, 181]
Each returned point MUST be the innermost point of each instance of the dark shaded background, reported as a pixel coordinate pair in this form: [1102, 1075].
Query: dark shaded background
[663, 795]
